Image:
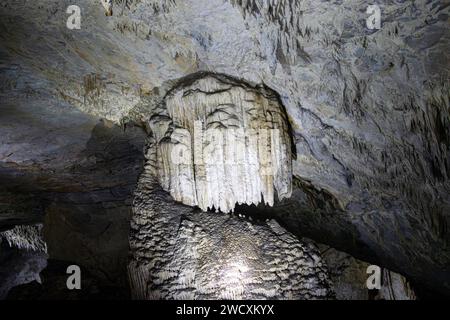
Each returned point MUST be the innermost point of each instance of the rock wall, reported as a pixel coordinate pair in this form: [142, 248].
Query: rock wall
[349, 276]
[23, 255]
[28, 237]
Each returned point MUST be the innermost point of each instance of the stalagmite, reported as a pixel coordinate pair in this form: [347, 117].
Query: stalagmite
[221, 142]
[179, 252]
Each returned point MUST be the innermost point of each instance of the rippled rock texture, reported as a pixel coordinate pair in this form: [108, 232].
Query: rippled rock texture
[178, 252]
[369, 112]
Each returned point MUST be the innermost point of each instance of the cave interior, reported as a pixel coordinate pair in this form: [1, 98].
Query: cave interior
[225, 149]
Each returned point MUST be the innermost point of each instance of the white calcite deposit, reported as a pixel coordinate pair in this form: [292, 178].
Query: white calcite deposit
[28, 237]
[222, 142]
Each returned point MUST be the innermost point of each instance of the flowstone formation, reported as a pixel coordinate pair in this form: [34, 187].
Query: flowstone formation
[220, 142]
[179, 252]
[215, 142]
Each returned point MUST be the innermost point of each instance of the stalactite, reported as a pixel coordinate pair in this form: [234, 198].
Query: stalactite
[223, 143]
[27, 237]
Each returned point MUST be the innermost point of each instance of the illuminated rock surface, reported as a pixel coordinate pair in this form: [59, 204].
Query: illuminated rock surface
[28, 237]
[234, 139]
[178, 252]
[368, 110]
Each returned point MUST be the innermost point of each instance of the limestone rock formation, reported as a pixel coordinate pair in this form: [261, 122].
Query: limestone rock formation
[220, 142]
[19, 267]
[23, 255]
[368, 108]
[28, 237]
[108, 5]
[178, 252]
[349, 276]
